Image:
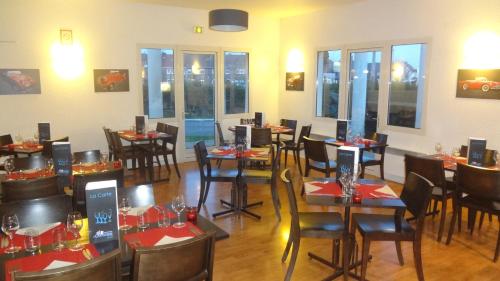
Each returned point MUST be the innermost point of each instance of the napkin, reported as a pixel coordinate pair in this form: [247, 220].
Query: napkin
[40, 229]
[387, 190]
[311, 188]
[169, 240]
[58, 264]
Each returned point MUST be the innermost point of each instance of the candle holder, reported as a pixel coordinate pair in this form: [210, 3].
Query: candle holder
[192, 214]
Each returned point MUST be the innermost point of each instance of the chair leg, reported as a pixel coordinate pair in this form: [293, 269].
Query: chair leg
[472, 220]
[497, 250]
[400, 253]
[481, 218]
[434, 209]
[293, 259]
[219, 162]
[364, 258]
[288, 245]
[286, 156]
[452, 224]
[382, 171]
[276, 202]
[459, 212]
[165, 158]
[417, 256]
[158, 159]
[298, 162]
[174, 157]
[202, 194]
[444, 204]
[490, 217]
[206, 192]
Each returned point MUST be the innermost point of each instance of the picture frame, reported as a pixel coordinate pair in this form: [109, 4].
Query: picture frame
[17, 81]
[295, 81]
[478, 83]
[111, 80]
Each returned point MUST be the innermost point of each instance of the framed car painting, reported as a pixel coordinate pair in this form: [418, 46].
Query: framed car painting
[478, 83]
[111, 80]
[19, 81]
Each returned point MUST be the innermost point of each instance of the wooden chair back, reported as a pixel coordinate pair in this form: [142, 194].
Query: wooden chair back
[173, 131]
[429, 168]
[161, 127]
[220, 134]
[89, 156]
[192, 259]
[39, 211]
[480, 183]
[117, 143]
[292, 124]
[315, 150]
[5, 140]
[80, 181]
[47, 146]
[416, 194]
[107, 134]
[261, 137]
[305, 131]
[201, 153]
[292, 200]
[29, 189]
[28, 163]
[103, 268]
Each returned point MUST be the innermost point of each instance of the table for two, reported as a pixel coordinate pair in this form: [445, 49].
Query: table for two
[374, 194]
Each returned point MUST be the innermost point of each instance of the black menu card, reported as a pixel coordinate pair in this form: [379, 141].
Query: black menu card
[240, 135]
[43, 132]
[140, 124]
[102, 211]
[347, 161]
[342, 127]
[259, 119]
[477, 148]
[61, 155]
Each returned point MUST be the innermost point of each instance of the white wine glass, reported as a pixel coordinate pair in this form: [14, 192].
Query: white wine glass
[10, 224]
[178, 205]
[439, 148]
[74, 224]
[9, 165]
[124, 209]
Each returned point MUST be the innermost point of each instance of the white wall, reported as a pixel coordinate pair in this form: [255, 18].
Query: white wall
[447, 23]
[110, 32]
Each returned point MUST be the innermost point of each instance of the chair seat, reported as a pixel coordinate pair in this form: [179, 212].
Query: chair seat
[438, 192]
[371, 157]
[373, 224]
[322, 165]
[486, 204]
[252, 173]
[320, 224]
[224, 173]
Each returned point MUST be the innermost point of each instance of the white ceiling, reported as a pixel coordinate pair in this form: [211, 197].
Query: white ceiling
[273, 8]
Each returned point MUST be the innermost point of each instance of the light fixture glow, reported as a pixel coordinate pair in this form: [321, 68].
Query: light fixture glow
[195, 68]
[165, 86]
[397, 71]
[295, 61]
[482, 51]
[67, 60]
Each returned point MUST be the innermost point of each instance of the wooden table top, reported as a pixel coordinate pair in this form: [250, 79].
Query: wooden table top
[22, 148]
[328, 200]
[132, 136]
[274, 129]
[364, 144]
[450, 162]
[229, 153]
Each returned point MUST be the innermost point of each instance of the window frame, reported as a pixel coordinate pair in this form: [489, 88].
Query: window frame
[222, 86]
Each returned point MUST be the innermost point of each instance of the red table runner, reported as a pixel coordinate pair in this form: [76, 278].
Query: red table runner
[40, 262]
[151, 216]
[46, 238]
[28, 175]
[227, 151]
[150, 237]
[370, 191]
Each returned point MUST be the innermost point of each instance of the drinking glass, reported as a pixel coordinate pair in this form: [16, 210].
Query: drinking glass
[104, 158]
[10, 224]
[439, 148]
[59, 235]
[74, 224]
[9, 165]
[124, 209]
[142, 222]
[35, 137]
[455, 152]
[178, 205]
[50, 164]
[31, 241]
[19, 138]
[163, 219]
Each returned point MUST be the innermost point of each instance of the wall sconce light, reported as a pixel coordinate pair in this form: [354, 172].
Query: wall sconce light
[67, 56]
[198, 29]
[482, 51]
[295, 61]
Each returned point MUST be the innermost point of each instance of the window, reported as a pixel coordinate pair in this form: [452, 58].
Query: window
[235, 82]
[328, 80]
[406, 91]
[158, 83]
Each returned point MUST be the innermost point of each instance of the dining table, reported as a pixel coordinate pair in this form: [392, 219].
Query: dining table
[362, 144]
[450, 162]
[141, 196]
[275, 130]
[370, 193]
[146, 143]
[26, 148]
[238, 203]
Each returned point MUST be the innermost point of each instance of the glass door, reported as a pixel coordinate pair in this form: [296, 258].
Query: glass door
[200, 82]
[364, 77]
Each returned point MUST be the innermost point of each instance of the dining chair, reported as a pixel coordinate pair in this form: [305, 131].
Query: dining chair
[125, 153]
[266, 176]
[262, 137]
[482, 189]
[292, 124]
[222, 141]
[192, 259]
[161, 128]
[416, 195]
[169, 147]
[80, 182]
[35, 212]
[89, 156]
[297, 147]
[109, 141]
[375, 156]
[209, 174]
[14, 190]
[47, 146]
[29, 163]
[6, 139]
[103, 268]
[317, 158]
[433, 170]
[326, 225]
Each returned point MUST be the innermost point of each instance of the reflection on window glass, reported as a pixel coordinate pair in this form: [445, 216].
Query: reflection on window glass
[235, 82]
[406, 93]
[158, 83]
[328, 80]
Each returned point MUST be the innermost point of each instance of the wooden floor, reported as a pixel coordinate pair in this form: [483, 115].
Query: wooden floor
[254, 249]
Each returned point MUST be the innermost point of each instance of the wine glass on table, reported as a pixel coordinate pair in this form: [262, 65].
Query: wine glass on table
[124, 209]
[178, 205]
[439, 148]
[10, 224]
[9, 165]
[74, 224]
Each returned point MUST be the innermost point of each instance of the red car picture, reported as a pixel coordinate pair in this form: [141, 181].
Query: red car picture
[479, 83]
[111, 79]
[21, 81]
